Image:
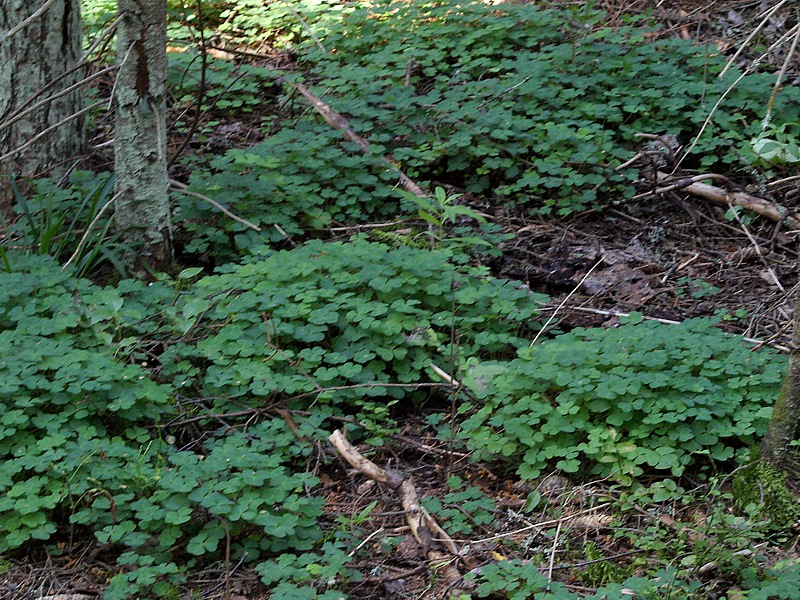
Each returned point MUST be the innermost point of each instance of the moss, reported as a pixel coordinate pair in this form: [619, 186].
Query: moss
[764, 486]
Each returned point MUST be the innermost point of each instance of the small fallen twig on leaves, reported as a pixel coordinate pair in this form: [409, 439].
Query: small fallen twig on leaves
[422, 524]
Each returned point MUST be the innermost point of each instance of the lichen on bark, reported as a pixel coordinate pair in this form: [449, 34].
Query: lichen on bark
[37, 63]
[762, 487]
[140, 162]
[782, 425]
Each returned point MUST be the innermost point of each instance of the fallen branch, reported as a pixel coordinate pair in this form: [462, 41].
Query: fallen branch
[337, 121]
[717, 195]
[181, 188]
[423, 525]
[421, 522]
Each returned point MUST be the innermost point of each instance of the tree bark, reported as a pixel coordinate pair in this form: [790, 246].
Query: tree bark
[786, 412]
[140, 164]
[40, 45]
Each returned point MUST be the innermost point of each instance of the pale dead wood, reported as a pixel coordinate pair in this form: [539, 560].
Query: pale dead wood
[337, 121]
[181, 188]
[760, 206]
[422, 524]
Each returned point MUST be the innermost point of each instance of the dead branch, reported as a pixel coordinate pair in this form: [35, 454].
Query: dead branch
[760, 206]
[181, 188]
[337, 121]
[422, 524]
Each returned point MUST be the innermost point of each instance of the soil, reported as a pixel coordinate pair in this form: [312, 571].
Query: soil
[669, 256]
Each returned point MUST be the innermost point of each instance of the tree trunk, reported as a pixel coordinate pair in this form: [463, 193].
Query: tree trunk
[140, 165]
[35, 64]
[786, 413]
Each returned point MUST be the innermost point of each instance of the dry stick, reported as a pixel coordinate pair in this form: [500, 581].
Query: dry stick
[564, 301]
[746, 201]
[553, 556]
[540, 525]
[201, 90]
[680, 184]
[711, 114]
[368, 226]
[784, 180]
[306, 27]
[337, 121]
[444, 375]
[757, 248]
[21, 115]
[747, 71]
[20, 26]
[419, 520]
[753, 34]
[181, 188]
[616, 313]
[44, 132]
[80, 64]
[781, 74]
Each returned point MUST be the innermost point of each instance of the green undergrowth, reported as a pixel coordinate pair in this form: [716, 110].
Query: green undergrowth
[529, 105]
[300, 179]
[53, 220]
[517, 580]
[99, 386]
[84, 449]
[619, 402]
[154, 416]
[327, 324]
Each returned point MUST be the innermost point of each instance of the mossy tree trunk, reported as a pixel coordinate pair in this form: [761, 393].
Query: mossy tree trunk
[40, 47]
[140, 163]
[786, 413]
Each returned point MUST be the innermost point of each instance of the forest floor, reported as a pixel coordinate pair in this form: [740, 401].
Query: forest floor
[670, 256]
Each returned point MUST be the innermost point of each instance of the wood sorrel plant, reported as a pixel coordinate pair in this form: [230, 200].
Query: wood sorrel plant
[614, 402]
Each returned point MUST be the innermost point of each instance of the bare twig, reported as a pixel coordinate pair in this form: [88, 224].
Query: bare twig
[564, 301]
[358, 227]
[201, 89]
[680, 184]
[306, 26]
[781, 74]
[553, 555]
[420, 522]
[444, 375]
[757, 249]
[616, 313]
[24, 23]
[44, 132]
[337, 121]
[539, 525]
[20, 115]
[700, 133]
[181, 187]
[754, 33]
